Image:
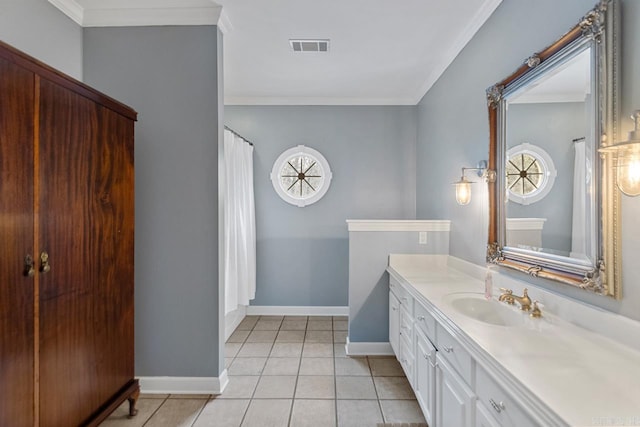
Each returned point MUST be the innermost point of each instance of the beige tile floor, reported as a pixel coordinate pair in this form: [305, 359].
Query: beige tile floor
[289, 371]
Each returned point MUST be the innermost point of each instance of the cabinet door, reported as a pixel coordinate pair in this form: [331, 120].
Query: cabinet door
[394, 323]
[454, 398]
[16, 241]
[484, 417]
[86, 227]
[425, 385]
[113, 242]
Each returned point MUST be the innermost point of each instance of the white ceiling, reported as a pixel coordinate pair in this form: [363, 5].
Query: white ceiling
[381, 52]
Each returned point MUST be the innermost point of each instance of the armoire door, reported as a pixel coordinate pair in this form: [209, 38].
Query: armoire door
[85, 228]
[16, 242]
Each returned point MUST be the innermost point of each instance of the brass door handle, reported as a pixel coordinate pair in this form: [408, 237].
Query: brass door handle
[45, 267]
[28, 271]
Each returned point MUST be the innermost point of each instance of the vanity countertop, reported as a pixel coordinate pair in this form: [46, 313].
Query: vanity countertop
[585, 378]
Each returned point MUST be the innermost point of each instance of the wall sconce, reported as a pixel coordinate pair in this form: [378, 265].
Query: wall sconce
[463, 187]
[627, 156]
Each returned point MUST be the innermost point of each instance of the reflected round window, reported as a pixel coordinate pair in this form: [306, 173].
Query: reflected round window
[301, 176]
[530, 174]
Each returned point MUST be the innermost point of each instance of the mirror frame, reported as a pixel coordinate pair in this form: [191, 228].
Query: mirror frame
[599, 29]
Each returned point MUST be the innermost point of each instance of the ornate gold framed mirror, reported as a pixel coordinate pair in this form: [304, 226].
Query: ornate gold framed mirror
[563, 99]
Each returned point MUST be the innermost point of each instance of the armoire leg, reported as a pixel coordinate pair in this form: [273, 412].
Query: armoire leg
[133, 399]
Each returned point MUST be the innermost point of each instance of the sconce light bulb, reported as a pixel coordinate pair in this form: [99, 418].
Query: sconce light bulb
[463, 191]
[628, 178]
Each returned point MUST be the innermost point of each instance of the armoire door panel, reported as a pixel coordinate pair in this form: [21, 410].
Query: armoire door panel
[86, 226]
[68, 352]
[112, 207]
[17, 107]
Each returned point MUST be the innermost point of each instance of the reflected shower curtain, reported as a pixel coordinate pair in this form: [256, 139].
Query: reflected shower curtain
[239, 223]
[578, 242]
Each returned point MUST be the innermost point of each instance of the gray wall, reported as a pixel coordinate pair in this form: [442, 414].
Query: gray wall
[170, 76]
[513, 32]
[39, 29]
[303, 253]
[369, 282]
[533, 123]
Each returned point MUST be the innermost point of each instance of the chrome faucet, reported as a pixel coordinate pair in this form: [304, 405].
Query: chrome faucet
[508, 297]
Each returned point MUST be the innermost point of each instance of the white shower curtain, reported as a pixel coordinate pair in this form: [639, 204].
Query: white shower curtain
[578, 231]
[239, 223]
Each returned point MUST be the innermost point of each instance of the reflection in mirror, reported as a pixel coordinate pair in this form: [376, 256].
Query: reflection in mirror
[549, 161]
[554, 210]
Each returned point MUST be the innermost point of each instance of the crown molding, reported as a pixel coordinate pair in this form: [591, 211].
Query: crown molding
[224, 23]
[70, 8]
[472, 28]
[123, 13]
[311, 100]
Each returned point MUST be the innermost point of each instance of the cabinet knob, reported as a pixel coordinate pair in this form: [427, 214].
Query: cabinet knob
[426, 356]
[28, 271]
[448, 349]
[45, 267]
[394, 308]
[420, 318]
[499, 407]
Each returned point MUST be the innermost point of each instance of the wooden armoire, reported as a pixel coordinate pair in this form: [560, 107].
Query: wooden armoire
[66, 248]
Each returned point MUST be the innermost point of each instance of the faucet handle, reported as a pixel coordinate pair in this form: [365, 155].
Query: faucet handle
[506, 291]
[524, 293]
[535, 310]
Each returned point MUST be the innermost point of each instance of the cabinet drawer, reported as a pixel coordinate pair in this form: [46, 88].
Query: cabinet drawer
[394, 322]
[395, 287]
[406, 300]
[406, 327]
[425, 322]
[484, 418]
[425, 371]
[407, 360]
[499, 403]
[450, 349]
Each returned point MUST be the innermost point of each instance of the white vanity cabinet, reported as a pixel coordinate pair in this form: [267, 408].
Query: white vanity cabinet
[499, 403]
[454, 399]
[484, 417]
[394, 322]
[425, 375]
[401, 333]
[451, 388]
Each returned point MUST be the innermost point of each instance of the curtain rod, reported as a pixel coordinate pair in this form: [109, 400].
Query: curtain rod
[237, 134]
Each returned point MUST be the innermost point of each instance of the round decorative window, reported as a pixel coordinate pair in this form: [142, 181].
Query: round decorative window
[301, 176]
[530, 173]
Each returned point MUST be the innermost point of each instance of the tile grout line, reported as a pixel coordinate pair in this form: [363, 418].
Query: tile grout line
[304, 341]
[375, 387]
[335, 376]
[200, 411]
[244, 415]
[295, 386]
[157, 409]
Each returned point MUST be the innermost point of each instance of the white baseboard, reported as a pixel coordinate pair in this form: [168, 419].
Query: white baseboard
[275, 310]
[233, 319]
[368, 348]
[184, 385]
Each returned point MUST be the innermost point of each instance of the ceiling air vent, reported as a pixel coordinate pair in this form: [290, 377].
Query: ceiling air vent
[309, 45]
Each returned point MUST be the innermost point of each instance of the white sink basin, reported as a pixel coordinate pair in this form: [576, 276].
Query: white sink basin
[478, 308]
